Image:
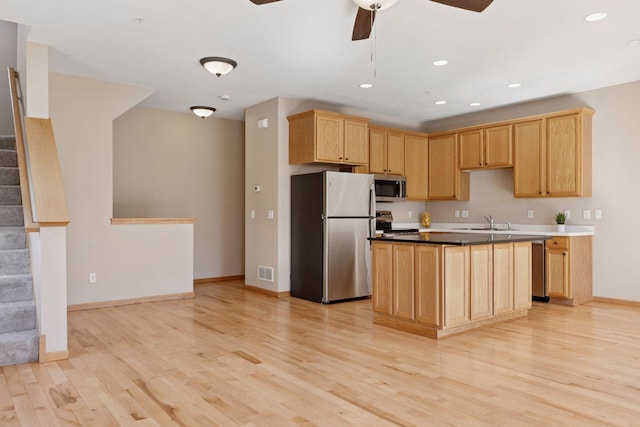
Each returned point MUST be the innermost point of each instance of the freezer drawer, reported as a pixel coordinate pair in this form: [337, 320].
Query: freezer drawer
[347, 259]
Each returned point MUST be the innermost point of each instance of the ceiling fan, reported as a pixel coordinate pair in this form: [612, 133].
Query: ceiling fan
[367, 10]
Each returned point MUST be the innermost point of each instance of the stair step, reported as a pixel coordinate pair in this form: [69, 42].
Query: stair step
[16, 287]
[18, 347]
[10, 195]
[17, 316]
[9, 176]
[13, 238]
[7, 143]
[14, 261]
[8, 158]
[11, 216]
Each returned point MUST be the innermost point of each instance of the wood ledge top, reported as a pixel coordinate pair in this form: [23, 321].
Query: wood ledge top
[142, 221]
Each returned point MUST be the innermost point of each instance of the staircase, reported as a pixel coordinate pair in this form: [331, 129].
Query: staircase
[18, 333]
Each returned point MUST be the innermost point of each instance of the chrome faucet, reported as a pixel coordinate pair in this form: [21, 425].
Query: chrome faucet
[489, 219]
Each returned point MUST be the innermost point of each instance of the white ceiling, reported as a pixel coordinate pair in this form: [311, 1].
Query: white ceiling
[303, 49]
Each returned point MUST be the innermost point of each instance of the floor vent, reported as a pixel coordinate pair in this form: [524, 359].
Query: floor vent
[265, 273]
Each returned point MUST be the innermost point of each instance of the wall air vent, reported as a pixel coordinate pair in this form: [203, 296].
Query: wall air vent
[265, 273]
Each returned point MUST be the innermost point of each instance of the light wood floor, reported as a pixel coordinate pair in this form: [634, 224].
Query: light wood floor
[232, 357]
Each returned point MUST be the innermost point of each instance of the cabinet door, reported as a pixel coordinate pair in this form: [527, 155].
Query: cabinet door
[502, 278]
[456, 285]
[329, 139]
[403, 271]
[557, 272]
[529, 152]
[481, 265]
[377, 151]
[442, 168]
[522, 275]
[356, 142]
[382, 277]
[563, 156]
[395, 153]
[416, 158]
[471, 149]
[427, 284]
[498, 147]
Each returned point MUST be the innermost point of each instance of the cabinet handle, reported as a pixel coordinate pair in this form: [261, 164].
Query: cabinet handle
[340, 158]
[346, 158]
[480, 164]
[485, 163]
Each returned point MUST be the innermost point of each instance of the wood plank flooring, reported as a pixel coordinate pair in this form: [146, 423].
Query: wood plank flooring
[231, 357]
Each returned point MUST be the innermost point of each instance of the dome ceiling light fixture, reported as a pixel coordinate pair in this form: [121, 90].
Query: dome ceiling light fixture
[203, 112]
[218, 65]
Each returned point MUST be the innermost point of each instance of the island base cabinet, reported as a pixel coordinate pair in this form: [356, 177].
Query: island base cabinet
[445, 290]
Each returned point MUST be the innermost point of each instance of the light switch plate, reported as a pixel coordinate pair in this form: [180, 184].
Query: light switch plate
[457, 213]
[586, 213]
[567, 213]
[269, 214]
[530, 214]
[465, 213]
[598, 214]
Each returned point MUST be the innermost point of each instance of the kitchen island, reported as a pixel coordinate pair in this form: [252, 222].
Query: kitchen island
[439, 284]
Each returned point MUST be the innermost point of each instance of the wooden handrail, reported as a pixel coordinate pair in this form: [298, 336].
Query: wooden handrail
[43, 198]
[29, 223]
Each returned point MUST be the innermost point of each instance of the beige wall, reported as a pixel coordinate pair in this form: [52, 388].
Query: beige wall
[130, 261]
[168, 164]
[616, 151]
[8, 58]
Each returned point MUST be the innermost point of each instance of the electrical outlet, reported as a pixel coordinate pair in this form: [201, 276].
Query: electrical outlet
[530, 214]
[598, 214]
[269, 214]
[93, 278]
[457, 214]
[410, 214]
[567, 214]
[465, 214]
[253, 214]
[586, 213]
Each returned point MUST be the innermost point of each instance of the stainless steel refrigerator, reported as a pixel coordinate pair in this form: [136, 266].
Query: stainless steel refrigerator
[332, 217]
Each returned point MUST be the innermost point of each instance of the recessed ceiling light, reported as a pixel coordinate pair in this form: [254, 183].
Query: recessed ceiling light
[366, 85]
[440, 62]
[225, 97]
[635, 42]
[474, 104]
[514, 85]
[598, 16]
[440, 102]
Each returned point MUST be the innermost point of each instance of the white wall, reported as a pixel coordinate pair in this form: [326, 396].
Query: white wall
[8, 58]
[168, 164]
[131, 261]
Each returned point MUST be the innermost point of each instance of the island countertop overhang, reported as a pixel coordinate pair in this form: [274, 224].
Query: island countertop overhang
[458, 239]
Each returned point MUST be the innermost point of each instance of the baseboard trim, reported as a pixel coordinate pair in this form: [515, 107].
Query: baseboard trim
[211, 280]
[271, 293]
[130, 301]
[617, 301]
[44, 357]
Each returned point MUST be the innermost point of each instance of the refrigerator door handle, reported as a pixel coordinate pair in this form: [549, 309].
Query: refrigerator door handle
[372, 201]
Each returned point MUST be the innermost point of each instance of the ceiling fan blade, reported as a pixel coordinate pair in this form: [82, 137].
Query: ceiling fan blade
[473, 5]
[259, 2]
[363, 24]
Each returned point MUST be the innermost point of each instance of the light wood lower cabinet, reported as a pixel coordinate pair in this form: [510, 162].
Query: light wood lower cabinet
[439, 290]
[569, 270]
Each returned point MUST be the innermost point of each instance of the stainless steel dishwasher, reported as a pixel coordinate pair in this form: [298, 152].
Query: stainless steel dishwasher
[538, 276]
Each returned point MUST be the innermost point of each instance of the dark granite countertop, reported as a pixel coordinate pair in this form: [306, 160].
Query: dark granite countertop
[458, 239]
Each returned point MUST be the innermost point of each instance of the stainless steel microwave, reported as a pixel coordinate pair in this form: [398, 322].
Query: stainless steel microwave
[390, 188]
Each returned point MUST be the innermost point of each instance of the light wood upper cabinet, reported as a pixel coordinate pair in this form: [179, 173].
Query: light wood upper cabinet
[445, 182]
[319, 136]
[386, 151]
[382, 277]
[486, 148]
[553, 155]
[569, 270]
[416, 147]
